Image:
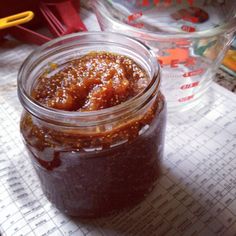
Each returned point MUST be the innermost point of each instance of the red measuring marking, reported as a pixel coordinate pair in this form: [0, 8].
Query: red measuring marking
[192, 19]
[191, 61]
[185, 99]
[193, 73]
[134, 16]
[180, 54]
[191, 14]
[188, 28]
[192, 85]
[174, 63]
[137, 25]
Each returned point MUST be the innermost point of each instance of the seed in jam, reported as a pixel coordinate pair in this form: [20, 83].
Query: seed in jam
[95, 81]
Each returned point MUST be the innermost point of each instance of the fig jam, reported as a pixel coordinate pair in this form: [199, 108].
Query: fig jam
[95, 81]
[96, 169]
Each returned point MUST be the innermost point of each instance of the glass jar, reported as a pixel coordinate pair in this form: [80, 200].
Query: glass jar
[94, 163]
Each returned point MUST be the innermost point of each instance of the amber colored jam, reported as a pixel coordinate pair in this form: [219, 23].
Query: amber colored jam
[93, 172]
[96, 81]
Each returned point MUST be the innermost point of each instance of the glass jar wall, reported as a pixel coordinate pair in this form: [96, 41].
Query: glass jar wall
[94, 163]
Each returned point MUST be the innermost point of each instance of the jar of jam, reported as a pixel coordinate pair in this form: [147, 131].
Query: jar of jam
[93, 121]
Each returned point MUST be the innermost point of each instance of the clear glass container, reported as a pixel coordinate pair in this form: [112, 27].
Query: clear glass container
[190, 39]
[94, 163]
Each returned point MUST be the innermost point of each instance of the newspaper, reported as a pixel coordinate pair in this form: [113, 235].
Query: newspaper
[196, 195]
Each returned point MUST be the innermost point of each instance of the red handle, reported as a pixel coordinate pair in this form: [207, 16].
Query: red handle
[62, 17]
[27, 35]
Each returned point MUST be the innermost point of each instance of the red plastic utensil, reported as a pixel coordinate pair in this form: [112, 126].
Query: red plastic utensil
[62, 17]
[29, 36]
[54, 25]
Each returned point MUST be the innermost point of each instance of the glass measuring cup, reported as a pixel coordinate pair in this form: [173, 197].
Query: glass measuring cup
[190, 39]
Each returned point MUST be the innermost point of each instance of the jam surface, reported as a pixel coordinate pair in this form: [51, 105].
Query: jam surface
[95, 81]
[95, 171]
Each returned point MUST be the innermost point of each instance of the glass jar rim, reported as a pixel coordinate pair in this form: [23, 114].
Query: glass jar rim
[35, 108]
[229, 27]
